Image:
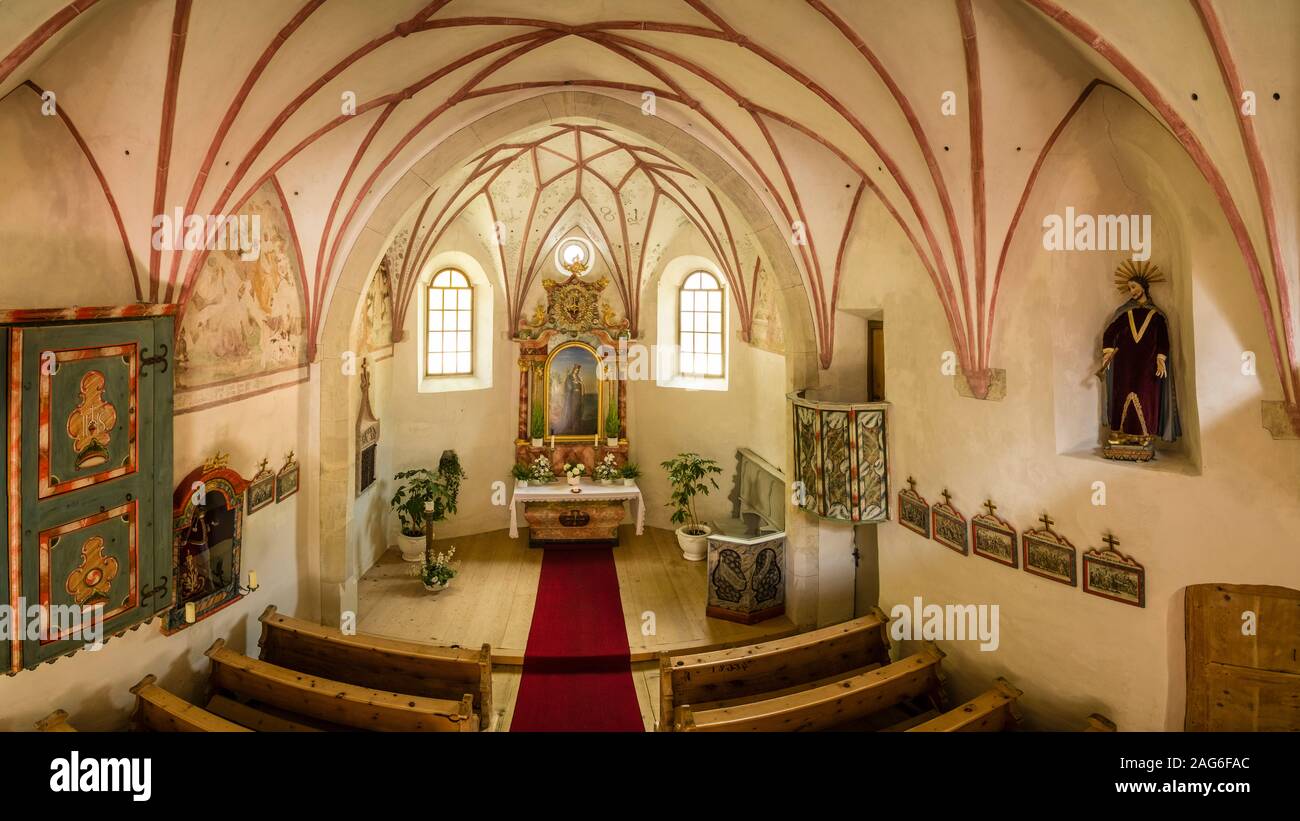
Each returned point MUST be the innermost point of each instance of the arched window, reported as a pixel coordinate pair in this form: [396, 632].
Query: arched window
[700, 326]
[450, 342]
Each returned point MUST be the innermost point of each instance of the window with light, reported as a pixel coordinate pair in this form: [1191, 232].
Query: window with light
[700, 326]
[449, 347]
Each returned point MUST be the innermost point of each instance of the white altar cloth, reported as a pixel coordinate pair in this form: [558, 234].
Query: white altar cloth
[563, 492]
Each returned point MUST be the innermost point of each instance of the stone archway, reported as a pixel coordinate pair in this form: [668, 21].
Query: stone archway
[338, 565]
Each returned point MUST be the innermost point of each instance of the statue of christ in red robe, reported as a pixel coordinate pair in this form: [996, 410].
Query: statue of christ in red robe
[1140, 398]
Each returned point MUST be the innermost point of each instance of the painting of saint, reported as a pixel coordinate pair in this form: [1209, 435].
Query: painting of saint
[245, 317]
[573, 392]
[1139, 376]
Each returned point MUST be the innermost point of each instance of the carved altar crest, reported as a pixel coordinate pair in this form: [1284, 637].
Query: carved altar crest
[573, 306]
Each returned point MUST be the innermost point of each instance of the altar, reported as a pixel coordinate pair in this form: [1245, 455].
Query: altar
[584, 514]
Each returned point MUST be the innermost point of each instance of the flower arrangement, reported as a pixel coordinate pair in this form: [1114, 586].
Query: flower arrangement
[575, 471]
[607, 470]
[436, 572]
[541, 471]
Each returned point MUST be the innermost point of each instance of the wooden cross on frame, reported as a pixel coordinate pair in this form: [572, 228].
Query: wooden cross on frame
[1110, 541]
[1047, 522]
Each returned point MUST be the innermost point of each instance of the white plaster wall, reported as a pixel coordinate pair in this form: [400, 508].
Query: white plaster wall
[93, 687]
[1074, 653]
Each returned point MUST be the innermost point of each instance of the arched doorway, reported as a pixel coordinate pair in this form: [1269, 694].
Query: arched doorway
[338, 562]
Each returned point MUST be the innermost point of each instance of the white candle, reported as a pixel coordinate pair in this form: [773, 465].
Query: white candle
[252, 580]
[191, 613]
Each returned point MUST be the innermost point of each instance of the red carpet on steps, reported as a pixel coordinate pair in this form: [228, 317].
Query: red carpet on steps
[577, 675]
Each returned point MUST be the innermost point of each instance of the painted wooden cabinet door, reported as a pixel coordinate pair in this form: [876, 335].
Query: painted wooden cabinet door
[88, 479]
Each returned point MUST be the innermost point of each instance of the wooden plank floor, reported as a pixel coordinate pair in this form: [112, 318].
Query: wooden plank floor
[492, 597]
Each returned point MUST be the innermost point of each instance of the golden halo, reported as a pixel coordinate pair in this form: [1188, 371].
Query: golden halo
[1143, 271]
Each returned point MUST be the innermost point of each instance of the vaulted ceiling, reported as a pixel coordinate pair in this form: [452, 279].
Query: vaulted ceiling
[943, 110]
[628, 197]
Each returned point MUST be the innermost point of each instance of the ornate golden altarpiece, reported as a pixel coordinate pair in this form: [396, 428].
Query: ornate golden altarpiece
[571, 344]
[574, 316]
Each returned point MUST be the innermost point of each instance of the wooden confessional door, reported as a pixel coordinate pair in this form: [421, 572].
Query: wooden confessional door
[88, 516]
[1235, 680]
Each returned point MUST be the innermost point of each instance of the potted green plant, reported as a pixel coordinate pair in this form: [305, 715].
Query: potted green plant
[522, 473]
[435, 572]
[690, 475]
[630, 472]
[613, 427]
[425, 491]
[537, 427]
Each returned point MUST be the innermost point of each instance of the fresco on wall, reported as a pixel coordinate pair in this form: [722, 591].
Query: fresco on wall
[377, 311]
[765, 329]
[245, 318]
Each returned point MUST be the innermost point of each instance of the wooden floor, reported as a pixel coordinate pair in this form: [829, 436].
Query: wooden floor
[491, 600]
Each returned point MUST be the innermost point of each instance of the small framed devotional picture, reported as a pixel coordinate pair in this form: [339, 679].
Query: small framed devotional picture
[1112, 575]
[949, 526]
[1048, 554]
[286, 481]
[261, 488]
[913, 510]
[994, 538]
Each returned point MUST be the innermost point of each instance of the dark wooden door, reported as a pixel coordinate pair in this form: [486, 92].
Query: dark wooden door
[89, 499]
[1243, 673]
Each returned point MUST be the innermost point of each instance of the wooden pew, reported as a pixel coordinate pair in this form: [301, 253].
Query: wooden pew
[1098, 723]
[731, 677]
[55, 722]
[157, 710]
[336, 702]
[827, 706]
[377, 662]
[992, 711]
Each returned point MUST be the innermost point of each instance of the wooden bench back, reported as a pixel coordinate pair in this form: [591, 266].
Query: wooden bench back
[55, 722]
[754, 669]
[159, 711]
[992, 711]
[337, 702]
[826, 706]
[377, 662]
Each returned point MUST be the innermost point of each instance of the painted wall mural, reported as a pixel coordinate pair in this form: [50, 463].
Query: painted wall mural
[765, 331]
[377, 310]
[245, 317]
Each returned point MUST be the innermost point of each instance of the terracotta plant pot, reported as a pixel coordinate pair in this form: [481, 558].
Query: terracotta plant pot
[412, 547]
[695, 546]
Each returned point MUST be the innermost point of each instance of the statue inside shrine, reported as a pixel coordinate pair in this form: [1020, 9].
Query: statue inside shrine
[1140, 401]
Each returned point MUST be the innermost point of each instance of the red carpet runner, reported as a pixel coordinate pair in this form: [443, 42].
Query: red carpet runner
[577, 675]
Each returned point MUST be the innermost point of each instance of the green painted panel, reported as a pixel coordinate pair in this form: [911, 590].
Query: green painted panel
[95, 476]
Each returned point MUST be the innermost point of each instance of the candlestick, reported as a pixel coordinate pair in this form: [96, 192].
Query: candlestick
[191, 613]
